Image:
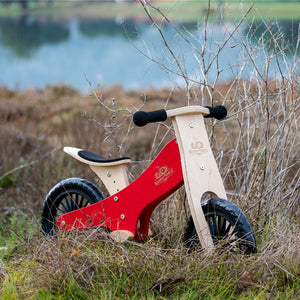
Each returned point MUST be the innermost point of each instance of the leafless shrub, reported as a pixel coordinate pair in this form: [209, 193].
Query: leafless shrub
[258, 158]
[256, 146]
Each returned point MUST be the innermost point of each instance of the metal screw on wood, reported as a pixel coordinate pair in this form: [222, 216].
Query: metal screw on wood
[202, 167]
[122, 216]
[63, 223]
[116, 198]
[192, 125]
[108, 174]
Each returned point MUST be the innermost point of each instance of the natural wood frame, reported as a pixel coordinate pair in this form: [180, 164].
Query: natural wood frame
[199, 168]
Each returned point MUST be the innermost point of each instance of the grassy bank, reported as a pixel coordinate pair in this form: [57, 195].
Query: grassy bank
[35, 124]
[187, 11]
[90, 265]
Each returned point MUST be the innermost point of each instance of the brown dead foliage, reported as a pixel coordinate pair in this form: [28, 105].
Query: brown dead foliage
[255, 146]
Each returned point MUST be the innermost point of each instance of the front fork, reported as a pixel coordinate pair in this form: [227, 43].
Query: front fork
[200, 171]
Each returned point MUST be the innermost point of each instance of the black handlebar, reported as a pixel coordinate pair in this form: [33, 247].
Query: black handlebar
[142, 118]
[218, 112]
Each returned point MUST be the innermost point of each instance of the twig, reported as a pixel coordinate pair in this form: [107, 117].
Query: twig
[18, 168]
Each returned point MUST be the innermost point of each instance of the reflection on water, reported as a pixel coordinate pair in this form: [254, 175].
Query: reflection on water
[37, 51]
[283, 31]
[110, 27]
[24, 35]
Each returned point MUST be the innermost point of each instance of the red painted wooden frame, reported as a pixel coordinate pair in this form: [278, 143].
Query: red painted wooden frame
[131, 208]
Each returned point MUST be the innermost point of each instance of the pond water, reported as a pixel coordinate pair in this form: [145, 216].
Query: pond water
[38, 51]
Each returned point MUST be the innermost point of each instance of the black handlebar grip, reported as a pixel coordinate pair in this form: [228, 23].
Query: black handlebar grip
[218, 112]
[142, 118]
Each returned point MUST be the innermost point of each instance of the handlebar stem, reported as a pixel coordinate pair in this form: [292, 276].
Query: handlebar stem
[187, 110]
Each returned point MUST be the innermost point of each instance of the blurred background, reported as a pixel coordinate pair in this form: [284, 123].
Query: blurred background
[85, 44]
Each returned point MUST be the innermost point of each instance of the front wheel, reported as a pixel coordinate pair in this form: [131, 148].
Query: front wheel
[229, 227]
[68, 195]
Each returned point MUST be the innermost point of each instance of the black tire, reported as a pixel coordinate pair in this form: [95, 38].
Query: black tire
[229, 227]
[68, 195]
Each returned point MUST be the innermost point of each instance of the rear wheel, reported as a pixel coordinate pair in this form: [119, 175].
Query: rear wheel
[229, 227]
[68, 195]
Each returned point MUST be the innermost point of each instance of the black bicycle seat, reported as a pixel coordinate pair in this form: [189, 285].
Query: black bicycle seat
[97, 158]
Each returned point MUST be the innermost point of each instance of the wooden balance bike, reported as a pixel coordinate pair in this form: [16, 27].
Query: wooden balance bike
[76, 203]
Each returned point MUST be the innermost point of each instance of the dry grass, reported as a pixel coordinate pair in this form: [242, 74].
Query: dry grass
[89, 265]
